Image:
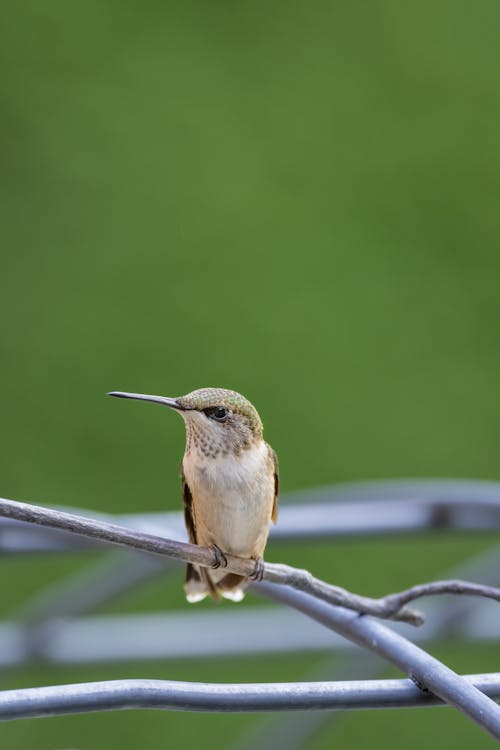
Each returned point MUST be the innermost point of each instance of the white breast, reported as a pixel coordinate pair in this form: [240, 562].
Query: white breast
[232, 499]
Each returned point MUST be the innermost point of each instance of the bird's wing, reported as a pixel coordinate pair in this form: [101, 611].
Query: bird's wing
[274, 458]
[188, 509]
[198, 582]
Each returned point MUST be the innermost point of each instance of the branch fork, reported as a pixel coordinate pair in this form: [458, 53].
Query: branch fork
[390, 607]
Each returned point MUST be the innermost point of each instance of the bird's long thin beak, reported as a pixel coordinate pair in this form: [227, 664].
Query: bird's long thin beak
[172, 402]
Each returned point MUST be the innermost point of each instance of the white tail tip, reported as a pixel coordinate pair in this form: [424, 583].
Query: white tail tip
[196, 596]
[234, 595]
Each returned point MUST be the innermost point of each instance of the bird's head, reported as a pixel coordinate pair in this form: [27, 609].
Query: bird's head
[218, 421]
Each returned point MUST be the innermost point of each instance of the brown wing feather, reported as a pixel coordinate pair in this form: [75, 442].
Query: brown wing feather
[274, 457]
[188, 509]
[193, 572]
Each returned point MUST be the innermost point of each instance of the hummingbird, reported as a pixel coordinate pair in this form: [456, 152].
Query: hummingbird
[230, 484]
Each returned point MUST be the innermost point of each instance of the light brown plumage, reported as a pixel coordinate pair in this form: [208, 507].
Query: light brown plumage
[229, 483]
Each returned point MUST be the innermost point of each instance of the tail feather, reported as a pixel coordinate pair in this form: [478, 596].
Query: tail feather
[200, 584]
[233, 586]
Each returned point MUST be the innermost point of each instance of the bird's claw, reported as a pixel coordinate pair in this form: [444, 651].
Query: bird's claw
[258, 572]
[220, 560]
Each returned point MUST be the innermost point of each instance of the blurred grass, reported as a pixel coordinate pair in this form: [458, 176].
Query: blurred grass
[296, 201]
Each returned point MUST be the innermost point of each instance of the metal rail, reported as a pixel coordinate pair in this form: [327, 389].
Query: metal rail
[359, 509]
[457, 617]
[211, 633]
[426, 671]
[57, 636]
[117, 695]
[476, 506]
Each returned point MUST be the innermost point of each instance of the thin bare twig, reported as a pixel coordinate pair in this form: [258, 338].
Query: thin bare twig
[392, 606]
[389, 607]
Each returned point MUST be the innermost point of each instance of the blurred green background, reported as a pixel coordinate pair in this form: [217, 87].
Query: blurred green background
[295, 200]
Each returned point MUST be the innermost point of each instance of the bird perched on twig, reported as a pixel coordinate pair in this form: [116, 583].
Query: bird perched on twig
[229, 482]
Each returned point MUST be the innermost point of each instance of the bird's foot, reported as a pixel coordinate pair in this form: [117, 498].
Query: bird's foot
[220, 560]
[258, 572]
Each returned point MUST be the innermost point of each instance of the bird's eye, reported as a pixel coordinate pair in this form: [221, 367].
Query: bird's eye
[219, 413]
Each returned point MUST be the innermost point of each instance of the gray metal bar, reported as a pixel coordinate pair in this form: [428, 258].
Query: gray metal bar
[409, 487]
[424, 669]
[48, 633]
[358, 518]
[359, 509]
[115, 695]
[293, 731]
[206, 633]
[231, 632]
[438, 678]
[451, 616]
[210, 633]
[460, 616]
[91, 587]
